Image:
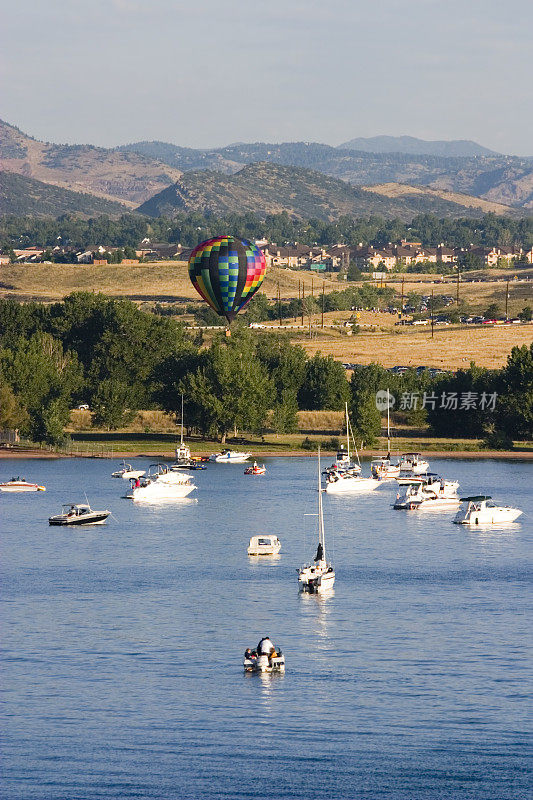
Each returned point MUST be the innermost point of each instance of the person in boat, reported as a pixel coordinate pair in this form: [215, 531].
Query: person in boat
[319, 552]
[250, 654]
[266, 647]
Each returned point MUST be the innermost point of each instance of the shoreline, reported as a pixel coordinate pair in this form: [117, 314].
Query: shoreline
[505, 455]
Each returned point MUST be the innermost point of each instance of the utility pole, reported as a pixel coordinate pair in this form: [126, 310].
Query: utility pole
[507, 299]
[299, 290]
[303, 302]
[279, 307]
[323, 301]
[458, 281]
[432, 316]
[401, 307]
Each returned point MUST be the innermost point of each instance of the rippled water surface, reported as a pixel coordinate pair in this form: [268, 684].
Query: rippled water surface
[122, 660]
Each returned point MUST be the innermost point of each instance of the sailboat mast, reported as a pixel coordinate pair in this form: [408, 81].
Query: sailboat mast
[388, 425]
[181, 440]
[347, 431]
[320, 513]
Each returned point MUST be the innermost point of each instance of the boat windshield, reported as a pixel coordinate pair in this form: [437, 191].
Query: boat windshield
[265, 542]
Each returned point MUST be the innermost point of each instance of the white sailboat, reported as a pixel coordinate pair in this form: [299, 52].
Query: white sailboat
[320, 576]
[347, 480]
[344, 460]
[183, 452]
[382, 468]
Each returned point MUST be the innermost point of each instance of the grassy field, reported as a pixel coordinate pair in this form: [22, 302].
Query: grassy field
[451, 348]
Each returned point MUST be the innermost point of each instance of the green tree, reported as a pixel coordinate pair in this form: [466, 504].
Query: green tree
[365, 417]
[324, 385]
[13, 415]
[285, 413]
[113, 404]
[526, 315]
[514, 410]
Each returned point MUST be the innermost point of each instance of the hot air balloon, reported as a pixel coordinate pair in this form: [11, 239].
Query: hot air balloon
[227, 272]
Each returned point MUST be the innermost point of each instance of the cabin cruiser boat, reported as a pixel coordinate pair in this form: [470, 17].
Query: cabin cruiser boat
[320, 576]
[229, 457]
[255, 469]
[21, 485]
[480, 510]
[349, 481]
[161, 483]
[266, 657]
[126, 471]
[264, 545]
[433, 492]
[413, 464]
[79, 514]
[382, 469]
[183, 451]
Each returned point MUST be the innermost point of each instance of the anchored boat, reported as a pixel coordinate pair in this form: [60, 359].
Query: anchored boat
[79, 514]
[319, 576]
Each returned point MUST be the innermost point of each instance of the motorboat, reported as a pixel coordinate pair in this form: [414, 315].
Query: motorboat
[382, 468]
[480, 510]
[126, 471]
[255, 469]
[20, 485]
[264, 545]
[79, 514]
[433, 492]
[161, 483]
[413, 464]
[266, 657]
[349, 481]
[229, 457]
[320, 576]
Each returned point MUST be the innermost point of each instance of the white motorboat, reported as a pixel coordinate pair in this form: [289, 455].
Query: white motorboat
[433, 492]
[264, 545]
[480, 510]
[348, 481]
[319, 576]
[20, 485]
[79, 514]
[161, 483]
[229, 457]
[413, 464]
[382, 469]
[126, 471]
[266, 657]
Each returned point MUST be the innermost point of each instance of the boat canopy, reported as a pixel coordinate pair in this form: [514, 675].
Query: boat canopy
[476, 498]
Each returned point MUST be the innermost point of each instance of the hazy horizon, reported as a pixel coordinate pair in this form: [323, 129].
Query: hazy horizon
[112, 72]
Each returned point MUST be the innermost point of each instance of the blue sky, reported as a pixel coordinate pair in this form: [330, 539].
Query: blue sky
[208, 73]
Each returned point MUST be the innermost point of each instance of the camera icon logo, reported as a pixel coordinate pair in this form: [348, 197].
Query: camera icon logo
[384, 400]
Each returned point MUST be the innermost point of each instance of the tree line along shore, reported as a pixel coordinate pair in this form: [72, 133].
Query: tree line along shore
[117, 359]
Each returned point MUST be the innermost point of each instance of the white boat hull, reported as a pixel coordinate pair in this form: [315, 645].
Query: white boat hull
[352, 485]
[316, 579]
[165, 491]
[488, 516]
[21, 487]
[264, 664]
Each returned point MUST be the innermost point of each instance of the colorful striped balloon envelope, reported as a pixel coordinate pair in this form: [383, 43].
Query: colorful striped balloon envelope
[227, 272]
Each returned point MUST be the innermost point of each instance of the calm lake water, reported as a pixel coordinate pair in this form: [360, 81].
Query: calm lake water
[122, 660]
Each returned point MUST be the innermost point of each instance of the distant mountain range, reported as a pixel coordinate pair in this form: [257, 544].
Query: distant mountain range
[501, 179]
[305, 179]
[459, 148]
[266, 188]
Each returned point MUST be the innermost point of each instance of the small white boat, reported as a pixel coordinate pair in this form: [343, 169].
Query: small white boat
[161, 483]
[264, 545]
[433, 492]
[348, 481]
[413, 464]
[382, 469]
[126, 471]
[255, 469]
[79, 514]
[183, 451]
[21, 485]
[343, 459]
[319, 576]
[229, 457]
[480, 510]
[266, 657]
